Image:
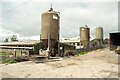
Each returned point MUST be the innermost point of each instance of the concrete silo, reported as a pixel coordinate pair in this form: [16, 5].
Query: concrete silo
[99, 33]
[50, 29]
[84, 35]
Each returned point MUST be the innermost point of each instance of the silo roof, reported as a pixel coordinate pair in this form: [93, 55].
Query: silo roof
[51, 11]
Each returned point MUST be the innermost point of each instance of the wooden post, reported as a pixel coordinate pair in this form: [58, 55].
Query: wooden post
[21, 52]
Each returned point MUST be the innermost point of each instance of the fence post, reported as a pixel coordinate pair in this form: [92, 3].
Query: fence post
[21, 52]
[15, 54]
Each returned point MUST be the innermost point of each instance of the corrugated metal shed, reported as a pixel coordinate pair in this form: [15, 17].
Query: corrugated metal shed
[114, 40]
[31, 45]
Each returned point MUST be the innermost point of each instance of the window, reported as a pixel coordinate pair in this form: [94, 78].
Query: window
[55, 17]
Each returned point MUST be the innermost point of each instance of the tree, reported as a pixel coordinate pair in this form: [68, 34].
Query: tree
[6, 40]
[14, 38]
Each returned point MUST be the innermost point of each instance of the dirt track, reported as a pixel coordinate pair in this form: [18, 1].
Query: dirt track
[95, 64]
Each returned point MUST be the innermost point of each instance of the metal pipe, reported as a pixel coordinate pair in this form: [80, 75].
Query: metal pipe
[40, 45]
[58, 47]
[49, 41]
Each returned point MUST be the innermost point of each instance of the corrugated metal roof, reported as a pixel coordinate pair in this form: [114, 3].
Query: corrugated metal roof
[11, 47]
[29, 42]
[70, 41]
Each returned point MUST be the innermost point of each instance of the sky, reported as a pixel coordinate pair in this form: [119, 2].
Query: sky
[23, 18]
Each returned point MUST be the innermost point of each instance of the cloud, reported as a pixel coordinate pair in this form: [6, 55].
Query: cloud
[96, 14]
[60, 0]
[24, 18]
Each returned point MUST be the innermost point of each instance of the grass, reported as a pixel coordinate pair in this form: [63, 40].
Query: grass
[82, 53]
[9, 58]
[9, 61]
[4, 54]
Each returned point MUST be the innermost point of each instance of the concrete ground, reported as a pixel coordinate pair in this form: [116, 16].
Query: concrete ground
[101, 63]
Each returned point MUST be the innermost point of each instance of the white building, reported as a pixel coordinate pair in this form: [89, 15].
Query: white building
[71, 41]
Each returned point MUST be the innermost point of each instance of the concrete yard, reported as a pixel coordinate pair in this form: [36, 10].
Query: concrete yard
[101, 63]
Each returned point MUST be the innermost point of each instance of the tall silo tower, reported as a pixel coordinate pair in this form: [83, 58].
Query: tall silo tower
[99, 33]
[84, 35]
[50, 29]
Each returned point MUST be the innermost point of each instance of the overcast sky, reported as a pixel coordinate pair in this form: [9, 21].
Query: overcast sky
[24, 18]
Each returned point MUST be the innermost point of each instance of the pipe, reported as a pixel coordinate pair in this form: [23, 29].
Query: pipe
[48, 45]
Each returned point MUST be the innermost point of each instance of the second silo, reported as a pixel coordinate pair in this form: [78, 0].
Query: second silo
[84, 35]
[99, 33]
[50, 29]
